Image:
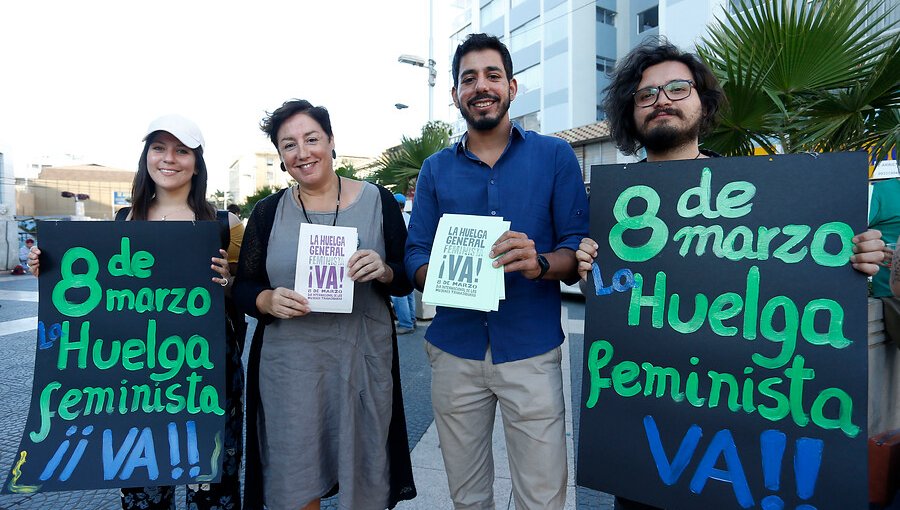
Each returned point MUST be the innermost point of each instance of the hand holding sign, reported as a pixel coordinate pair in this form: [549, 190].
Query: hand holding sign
[585, 255]
[868, 252]
[220, 265]
[34, 261]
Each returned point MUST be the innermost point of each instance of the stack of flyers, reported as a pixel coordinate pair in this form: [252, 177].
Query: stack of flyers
[322, 275]
[460, 274]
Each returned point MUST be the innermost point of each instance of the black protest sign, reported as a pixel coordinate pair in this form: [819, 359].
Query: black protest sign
[725, 340]
[129, 368]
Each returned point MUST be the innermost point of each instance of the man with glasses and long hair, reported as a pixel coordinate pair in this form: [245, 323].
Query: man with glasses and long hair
[664, 100]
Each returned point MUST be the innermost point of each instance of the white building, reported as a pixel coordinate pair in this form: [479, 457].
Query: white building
[562, 50]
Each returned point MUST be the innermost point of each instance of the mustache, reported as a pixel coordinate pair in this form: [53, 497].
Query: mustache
[482, 97]
[657, 113]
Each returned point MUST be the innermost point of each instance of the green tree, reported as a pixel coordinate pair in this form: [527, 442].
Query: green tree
[817, 76]
[346, 170]
[399, 166]
[260, 194]
[217, 198]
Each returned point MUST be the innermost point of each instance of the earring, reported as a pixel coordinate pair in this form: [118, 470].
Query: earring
[283, 169]
[333, 154]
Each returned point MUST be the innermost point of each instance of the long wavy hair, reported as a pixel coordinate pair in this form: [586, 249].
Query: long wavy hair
[619, 101]
[143, 189]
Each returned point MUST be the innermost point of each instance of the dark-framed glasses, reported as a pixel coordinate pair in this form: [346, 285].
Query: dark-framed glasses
[675, 90]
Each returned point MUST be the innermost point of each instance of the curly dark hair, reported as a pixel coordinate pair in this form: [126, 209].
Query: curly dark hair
[619, 101]
[273, 121]
[479, 42]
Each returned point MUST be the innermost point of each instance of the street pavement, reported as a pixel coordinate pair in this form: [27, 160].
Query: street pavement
[18, 322]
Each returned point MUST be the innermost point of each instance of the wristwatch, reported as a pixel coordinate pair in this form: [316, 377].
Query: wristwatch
[544, 265]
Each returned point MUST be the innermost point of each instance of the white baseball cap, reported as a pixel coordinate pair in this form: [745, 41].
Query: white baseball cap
[180, 127]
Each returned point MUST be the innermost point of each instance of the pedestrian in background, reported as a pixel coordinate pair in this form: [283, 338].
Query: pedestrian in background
[404, 306]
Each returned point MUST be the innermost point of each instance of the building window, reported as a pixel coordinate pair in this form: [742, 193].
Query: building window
[529, 122]
[605, 65]
[606, 16]
[270, 161]
[525, 35]
[458, 38]
[515, 3]
[492, 11]
[649, 19]
[556, 24]
[735, 7]
[529, 79]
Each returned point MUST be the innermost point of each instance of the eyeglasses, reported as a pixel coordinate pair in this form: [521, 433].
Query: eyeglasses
[675, 90]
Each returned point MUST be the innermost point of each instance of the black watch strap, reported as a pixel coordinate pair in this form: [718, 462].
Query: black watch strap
[544, 265]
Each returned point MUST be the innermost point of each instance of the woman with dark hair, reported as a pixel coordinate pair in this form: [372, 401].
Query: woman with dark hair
[323, 393]
[170, 185]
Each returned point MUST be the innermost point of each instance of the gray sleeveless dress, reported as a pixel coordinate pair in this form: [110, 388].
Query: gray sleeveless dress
[325, 379]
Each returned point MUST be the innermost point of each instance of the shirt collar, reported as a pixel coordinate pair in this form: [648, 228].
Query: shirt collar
[463, 144]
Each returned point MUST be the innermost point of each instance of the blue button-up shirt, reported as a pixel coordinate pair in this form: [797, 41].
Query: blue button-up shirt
[537, 186]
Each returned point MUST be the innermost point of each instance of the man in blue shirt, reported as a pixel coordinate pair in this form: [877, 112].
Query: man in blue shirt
[511, 356]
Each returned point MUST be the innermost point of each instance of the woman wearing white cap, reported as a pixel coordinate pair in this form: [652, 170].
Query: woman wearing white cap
[170, 185]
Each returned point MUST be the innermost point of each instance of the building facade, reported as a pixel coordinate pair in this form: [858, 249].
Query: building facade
[563, 50]
[108, 189]
[249, 173]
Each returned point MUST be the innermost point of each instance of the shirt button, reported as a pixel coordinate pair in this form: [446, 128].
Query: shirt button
[492, 181]
[493, 213]
[485, 323]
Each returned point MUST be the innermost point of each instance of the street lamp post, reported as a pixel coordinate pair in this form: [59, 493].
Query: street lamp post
[432, 75]
[79, 201]
[421, 62]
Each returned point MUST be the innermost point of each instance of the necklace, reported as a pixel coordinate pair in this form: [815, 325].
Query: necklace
[337, 204]
[697, 156]
[166, 216]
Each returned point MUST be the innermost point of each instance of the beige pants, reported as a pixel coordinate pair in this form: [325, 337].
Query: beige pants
[465, 393]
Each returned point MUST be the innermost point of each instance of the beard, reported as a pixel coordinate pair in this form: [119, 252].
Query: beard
[666, 137]
[484, 122]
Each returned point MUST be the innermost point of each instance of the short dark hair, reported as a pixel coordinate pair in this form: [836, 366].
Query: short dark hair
[234, 209]
[273, 121]
[143, 189]
[479, 42]
[619, 101]
[29, 241]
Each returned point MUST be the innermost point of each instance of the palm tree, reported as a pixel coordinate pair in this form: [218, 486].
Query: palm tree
[346, 170]
[399, 166]
[218, 198]
[819, 76]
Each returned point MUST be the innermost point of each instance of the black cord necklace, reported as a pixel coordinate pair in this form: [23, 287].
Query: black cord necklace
[337, 205]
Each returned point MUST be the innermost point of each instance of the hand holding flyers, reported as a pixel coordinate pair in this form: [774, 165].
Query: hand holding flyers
[461, 273]
[514, 251]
